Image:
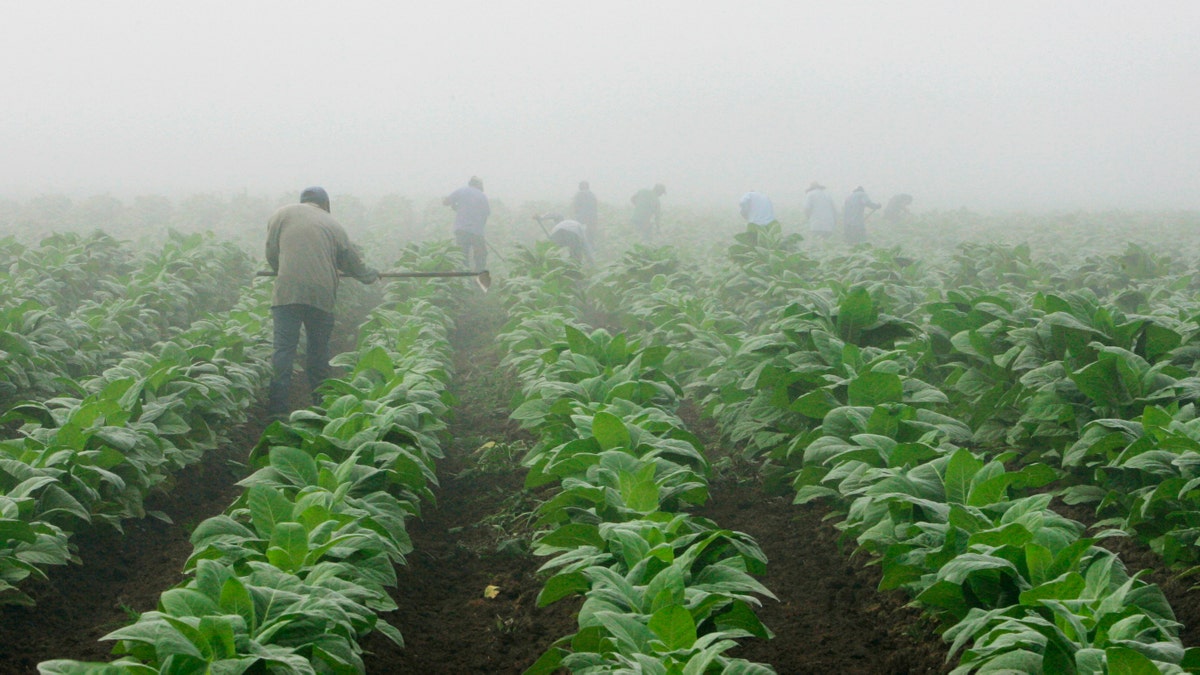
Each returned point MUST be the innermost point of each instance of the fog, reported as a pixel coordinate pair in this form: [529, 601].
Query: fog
[1004, 106]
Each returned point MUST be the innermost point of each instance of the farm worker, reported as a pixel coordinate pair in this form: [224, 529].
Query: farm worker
[471, 211]
[854, 215]
[818, 207]
[584, 208]
[757, 209]
[897, 208]
[647, 209]
[573, 236]
[307, 248]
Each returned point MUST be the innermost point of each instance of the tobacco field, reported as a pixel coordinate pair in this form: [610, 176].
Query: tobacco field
[970, 447]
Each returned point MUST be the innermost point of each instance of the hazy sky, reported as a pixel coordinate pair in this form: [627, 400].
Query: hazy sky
[1017, 104]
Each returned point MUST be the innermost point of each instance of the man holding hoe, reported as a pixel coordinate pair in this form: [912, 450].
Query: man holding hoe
[307, 249]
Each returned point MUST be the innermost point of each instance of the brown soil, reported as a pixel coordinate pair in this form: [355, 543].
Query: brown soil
[829, 617]
[476, 537]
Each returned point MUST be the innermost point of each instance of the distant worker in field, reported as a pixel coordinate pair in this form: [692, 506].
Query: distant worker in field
[896, 210]
[585, 208]
[854, 215]
[307, 248]
[471, 211]
[647, 209]
[571, 235]
[757, 209]
[819, 209]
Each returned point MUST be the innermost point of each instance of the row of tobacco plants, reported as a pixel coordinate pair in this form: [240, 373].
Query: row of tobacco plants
[293, 575]
[74, 304]
[940, 404]
[664, 591]
[93, 454]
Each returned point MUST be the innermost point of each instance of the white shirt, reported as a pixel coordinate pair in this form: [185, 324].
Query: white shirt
[572, 226]
[822, 217]
[756, 208]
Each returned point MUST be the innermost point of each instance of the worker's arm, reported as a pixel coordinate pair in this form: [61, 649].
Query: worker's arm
[272, 253]
[350, 262]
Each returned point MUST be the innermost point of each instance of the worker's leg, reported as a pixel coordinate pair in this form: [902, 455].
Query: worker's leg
[287, 320]
[480, 253]
[318, 328]
[465, 242]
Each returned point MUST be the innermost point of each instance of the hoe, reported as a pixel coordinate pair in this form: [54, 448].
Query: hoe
[484, 278]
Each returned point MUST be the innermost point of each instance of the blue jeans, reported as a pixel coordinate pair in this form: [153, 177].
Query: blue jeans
[318, 328]
[474, 249]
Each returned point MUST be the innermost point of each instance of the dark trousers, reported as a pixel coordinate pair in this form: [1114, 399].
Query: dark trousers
[318, 327]
[474, 249]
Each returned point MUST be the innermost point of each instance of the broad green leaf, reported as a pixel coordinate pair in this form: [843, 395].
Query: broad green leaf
[873, 388]
[181, 602]
[675, 626]
[268, 507]
[292, 540]
[610, 431]
[961, 468]
[235, 599]
[561, 585]
[297, 466]
[573, 535]
[639, 490]
[1126, 661]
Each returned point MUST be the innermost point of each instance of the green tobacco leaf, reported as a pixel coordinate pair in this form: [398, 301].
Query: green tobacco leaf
[219, 526]
[740, 616]
[12, 530]
[639, 490]
[873, 388]
[856, 311]
[1066, 587]
[268, 507]
[991, 490]
[580, 343]
[574, 535]
[1012, 534]
[297, 466]
[376, 359]
[182, 602]
[666, 588]
[675, 626]
[1100, 382]
[292, 540]
[66, 667]
[235, 599]
[1126, 661]
[961, 468]
[815, 404]
[562, 585]
[610, 431]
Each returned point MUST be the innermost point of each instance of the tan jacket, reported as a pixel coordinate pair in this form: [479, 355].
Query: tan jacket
[307, 248]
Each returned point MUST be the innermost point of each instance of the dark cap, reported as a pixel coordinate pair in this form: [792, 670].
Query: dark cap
[315, 195]
[475, 183]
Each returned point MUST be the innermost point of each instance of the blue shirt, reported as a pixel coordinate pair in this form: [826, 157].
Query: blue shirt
[471, 209]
